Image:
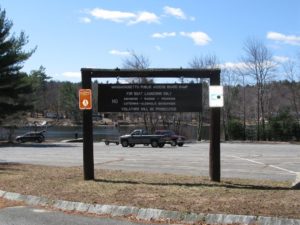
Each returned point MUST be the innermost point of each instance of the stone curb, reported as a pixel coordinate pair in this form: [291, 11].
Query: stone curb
[147, 214]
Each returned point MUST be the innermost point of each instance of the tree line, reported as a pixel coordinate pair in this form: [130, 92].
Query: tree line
[262, 96]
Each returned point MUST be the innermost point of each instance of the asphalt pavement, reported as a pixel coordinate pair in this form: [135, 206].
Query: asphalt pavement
[238, 160]
[241, 160]
[34, 216]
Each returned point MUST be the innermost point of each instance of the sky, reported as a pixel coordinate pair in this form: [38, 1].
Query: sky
[75, 34]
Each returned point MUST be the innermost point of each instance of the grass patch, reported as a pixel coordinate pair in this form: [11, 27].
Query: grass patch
[162, 191]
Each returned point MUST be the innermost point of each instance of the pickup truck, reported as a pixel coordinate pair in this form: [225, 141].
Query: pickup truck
[141, 136]
[171, 137]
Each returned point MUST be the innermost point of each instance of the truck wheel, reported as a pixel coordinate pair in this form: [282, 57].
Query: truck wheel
[154, 143]
[173, 143]
[124, 143]
[131, 145]
[106, 142]
[180, 144]
[117, 143]
[161, 145]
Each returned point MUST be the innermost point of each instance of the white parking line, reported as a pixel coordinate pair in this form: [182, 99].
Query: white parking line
[260, 163]
[279, 168]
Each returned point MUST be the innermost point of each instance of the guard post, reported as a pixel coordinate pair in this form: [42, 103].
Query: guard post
[212, 74]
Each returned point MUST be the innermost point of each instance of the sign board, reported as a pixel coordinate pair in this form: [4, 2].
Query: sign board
[149, 97]
[85, 99]
[216, 97]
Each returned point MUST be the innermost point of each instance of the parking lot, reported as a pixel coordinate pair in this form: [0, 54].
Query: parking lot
[239, 160]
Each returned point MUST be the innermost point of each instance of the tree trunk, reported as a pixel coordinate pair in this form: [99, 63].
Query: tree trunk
[258, 114]
[200, 126]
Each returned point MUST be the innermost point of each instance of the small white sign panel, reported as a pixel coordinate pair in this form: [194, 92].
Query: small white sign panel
[216, 97]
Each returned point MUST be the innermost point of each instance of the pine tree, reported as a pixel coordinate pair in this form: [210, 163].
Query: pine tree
[14, 84]
[39, 80]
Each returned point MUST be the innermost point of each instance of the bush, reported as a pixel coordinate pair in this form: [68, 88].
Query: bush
[235, 130]
[283, 127]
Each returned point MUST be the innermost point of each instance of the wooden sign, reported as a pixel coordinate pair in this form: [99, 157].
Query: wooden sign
[150, 97]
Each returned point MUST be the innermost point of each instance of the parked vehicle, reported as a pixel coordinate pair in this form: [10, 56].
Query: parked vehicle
[108, 141]
[141, 136]
[171, 137]
[33, 136]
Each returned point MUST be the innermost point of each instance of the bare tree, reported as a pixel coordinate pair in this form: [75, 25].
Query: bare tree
[292, 75]
[140, 62]
[259, 66]
[241, 73]
[207, 62]
[203, 62]
[136, 61]
[230, 81]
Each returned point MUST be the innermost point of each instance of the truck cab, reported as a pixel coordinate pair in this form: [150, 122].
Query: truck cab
[141, 136]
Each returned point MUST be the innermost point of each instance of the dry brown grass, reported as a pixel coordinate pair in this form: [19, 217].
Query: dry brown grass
[162, 191]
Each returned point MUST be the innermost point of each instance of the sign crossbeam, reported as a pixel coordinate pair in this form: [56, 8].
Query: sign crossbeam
[152, 73]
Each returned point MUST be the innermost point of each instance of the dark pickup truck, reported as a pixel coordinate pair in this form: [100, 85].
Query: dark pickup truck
[141, 136]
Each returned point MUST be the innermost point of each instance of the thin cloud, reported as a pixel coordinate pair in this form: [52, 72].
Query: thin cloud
[158, 48]
[146, 17]
[199, 38]
[244, 65]
[115, 16]
[286, 39]
[85, 20]
[119, 53]
[233, 65]
[176, 12]
[124, 17]
[72, 74]
[281, 59]
[163, 35]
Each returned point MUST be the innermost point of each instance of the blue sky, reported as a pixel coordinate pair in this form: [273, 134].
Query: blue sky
[70, 35]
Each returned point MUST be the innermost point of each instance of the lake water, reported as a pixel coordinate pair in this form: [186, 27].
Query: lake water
[100, 132]
[66, 133]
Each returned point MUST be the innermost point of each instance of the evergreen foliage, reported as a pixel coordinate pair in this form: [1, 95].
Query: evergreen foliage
[69, 100]
[14, 84]
[39, 80]
[283, 127]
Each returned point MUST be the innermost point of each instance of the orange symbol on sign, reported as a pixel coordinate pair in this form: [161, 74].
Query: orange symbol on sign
[85, 99]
